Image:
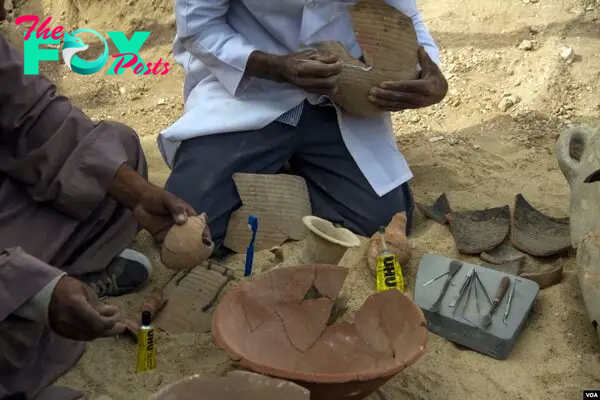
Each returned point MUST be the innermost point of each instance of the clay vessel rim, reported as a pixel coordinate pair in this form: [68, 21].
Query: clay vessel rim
[351, 239]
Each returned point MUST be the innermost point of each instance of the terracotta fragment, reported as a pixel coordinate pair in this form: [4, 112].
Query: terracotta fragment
[538, 234]
[187, 245]
[396, 240]
[503, 254]
[279, 202]
[437, 211]
[235, 385]
[343, 360]
[303, 332]
[546, 276]
[153, 302]
[192, 294]
[513, 267]
[477, 231]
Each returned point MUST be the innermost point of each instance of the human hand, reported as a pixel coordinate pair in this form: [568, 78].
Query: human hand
[154, 209]
[311, 71]
[75, 312]
[158, 210]
[430, 89]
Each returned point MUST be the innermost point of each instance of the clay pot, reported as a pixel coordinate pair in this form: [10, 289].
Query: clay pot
[234, 386]
[326, 244]
[396, 240]
[187, 245]
[278, 324]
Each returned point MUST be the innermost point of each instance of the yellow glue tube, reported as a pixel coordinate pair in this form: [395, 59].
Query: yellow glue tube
[146, 348]
[389, 273]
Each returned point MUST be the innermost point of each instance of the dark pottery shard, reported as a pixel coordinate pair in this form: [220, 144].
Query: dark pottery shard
[538, 234]
[503, 254]
[305, 341]
[547, 275]
[233, 386]
[437, 211]
[477, 231]
[512, 267]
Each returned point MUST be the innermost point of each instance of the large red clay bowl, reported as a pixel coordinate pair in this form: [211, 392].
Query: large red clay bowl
[277, 324]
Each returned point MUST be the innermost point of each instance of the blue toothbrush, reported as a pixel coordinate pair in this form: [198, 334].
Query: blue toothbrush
[253, 226]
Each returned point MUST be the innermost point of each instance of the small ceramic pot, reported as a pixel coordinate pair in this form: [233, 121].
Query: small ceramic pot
[325, 243]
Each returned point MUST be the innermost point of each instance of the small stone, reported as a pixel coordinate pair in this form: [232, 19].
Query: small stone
[414, 118]
[526, 45]
[567, 54]
[436, 139]
[122, 90]
[508, 101]
[476, 146]
[161, 102]
[8, 5]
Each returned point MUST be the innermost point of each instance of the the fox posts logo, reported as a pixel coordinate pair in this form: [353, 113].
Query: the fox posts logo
[128, 49]
[72, 45]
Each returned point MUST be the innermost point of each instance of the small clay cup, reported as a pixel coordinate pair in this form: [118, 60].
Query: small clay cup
[325, 243]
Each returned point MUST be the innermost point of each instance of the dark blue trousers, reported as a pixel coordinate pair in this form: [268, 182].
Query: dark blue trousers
[315, 150]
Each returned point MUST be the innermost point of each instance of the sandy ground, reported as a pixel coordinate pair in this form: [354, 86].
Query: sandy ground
[470, 147]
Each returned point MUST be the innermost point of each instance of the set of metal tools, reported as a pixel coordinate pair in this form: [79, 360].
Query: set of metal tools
[472, 285]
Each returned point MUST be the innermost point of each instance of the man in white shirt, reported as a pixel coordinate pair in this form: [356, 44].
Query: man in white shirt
[252, 105]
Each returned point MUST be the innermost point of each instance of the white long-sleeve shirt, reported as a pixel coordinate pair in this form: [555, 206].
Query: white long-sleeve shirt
[214, 40]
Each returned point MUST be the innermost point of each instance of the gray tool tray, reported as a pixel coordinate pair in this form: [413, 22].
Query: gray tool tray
[498, 339]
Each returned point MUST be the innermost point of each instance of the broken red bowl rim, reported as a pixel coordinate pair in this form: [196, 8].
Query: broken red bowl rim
[319, 378]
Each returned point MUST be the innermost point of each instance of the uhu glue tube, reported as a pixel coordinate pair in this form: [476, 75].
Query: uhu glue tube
[146, 348]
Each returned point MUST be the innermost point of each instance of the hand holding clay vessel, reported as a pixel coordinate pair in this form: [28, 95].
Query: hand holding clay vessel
[389, 43]
[396, 240]
[187, 245]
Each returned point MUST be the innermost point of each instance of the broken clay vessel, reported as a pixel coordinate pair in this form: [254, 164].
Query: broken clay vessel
[280, 324]
[578, 152]
[326, 243]
[536, 233]
[395, 239]
[187, 245]
[235, 385]
[389, 44]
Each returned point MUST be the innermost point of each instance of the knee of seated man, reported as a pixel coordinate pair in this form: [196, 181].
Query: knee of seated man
[382, 210]
[130, 141]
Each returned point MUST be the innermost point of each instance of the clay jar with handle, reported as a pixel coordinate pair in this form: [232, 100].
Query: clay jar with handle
[578, 152]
